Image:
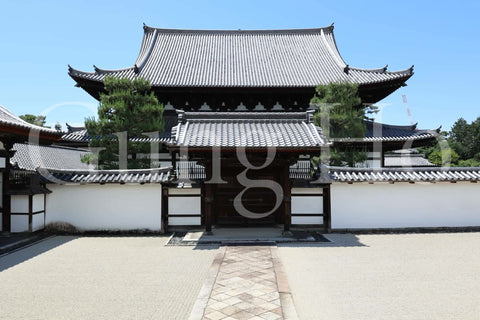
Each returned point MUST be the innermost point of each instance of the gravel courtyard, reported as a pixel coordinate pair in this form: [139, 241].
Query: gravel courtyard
[102, 278]
[404, 276]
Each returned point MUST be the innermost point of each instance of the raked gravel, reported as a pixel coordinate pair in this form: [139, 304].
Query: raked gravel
[400, 276]
[102, 278]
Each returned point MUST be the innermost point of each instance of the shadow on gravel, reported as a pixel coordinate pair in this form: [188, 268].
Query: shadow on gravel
[336, 240]
[32, 250]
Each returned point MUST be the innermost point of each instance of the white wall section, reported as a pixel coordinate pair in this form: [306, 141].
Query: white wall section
[404, 205]
[106, 207]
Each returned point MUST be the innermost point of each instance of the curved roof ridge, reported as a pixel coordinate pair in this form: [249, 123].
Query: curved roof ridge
[222, 116]
[333, 50]
[254, 31]
[408, 71]
[100, 70]
[146, 55]
[19, 122]
[393, 126]
[379, 70]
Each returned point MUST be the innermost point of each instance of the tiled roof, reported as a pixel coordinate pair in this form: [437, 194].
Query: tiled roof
[387, 132]
[242, 58]
[351, 175]
[9, 119]
[380, 132]
[246, 129]
[80, 134]
[30, 157]
[406, 160]
[105, 176]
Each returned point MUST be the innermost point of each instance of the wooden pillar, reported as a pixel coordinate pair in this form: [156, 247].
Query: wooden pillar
[287, 198]
[6, 199]
[30, 213]
[208, 198]
[327, 212]
[164, 209]
[202, 204]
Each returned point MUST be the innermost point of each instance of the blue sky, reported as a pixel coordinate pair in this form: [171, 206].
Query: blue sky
[38, 39]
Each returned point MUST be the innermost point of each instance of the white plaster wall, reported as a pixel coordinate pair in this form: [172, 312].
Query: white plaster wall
[106, 207]
[307, 205]
[184, 205]
[307, 220]
[19, 223]
[180, 191]
[38, 221]
[184, 221]
[19, 203]
[38, 202]
[403, 205]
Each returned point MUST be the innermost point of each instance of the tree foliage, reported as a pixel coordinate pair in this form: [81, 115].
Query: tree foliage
[461, 145]
[128, 109]
[342, 106]
[33, 119]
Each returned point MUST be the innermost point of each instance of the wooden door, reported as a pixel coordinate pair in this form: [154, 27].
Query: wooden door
[255, 200]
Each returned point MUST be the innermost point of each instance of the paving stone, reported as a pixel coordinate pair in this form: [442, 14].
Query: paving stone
[245, 286]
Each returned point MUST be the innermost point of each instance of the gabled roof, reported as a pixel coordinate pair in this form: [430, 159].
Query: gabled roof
[242, 58]
[19, 129]
[289, 130]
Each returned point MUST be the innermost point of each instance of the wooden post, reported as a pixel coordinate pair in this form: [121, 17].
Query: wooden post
[164, 218]
[208, 207]
[6, 199]
[327, 212]
[30, 213]
[287, 198]
[202, 204]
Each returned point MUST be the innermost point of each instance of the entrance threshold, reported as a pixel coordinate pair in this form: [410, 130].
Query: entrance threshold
[246, 236]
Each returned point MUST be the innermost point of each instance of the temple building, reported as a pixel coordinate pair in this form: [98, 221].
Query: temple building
[241, 83]
[238, 140]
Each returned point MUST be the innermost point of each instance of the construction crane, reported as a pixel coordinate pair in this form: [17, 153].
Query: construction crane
[408, 109]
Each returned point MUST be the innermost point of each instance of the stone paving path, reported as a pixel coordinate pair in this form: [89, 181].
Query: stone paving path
[245, 283]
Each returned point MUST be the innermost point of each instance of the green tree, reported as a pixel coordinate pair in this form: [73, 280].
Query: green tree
[33, 119]
[342, 106]
[128, 109]
[465, 138]
[443, 157]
